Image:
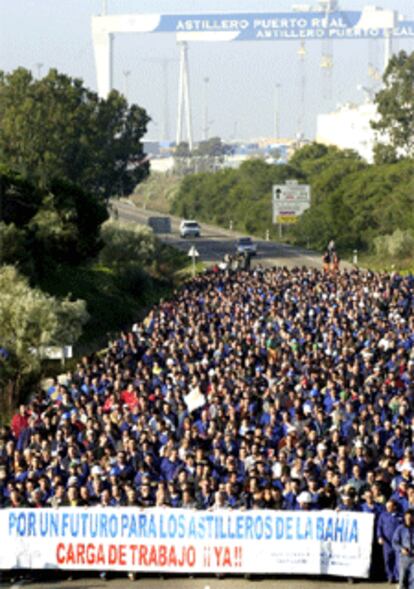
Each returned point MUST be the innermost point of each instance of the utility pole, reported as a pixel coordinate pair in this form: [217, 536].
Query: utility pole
[277, 111]
[165, 63]
[300, 132]
[166, 117]
[387, 47]
[328, 7]
[302, 52]
[126, 73]
[39, 69]
[205, 133]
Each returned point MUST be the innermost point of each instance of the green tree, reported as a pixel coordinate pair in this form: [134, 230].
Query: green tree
[66, 227]
[29, 320]
[182, 150]
[40, 227]
[56, 128]
[212, 147]
[395, 104]
[13, 245]
[313, 159]
[309, 153]
[126, 243]
[19, 199]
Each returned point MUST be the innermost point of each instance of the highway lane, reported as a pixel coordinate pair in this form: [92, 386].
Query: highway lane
[215, 242]
[186, 582]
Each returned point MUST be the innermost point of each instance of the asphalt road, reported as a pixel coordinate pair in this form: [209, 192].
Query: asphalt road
[215, 242]
[181, 582]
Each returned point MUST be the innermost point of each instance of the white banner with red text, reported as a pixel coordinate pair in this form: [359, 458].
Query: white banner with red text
[187, 541]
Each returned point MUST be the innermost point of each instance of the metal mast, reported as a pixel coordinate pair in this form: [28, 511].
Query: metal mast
[126, 73]
[300, 131]
[39, 69]
[165, 62]
[206, 125]
[302, 52]
[327, 6]
[184, 105]
[277, 111]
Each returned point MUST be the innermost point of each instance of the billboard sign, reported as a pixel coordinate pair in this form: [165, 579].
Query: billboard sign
[290, 201]
[257, 26]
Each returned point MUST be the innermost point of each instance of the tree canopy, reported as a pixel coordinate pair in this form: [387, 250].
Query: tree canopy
[56, 128]
[395, 104]
[39, 227]
[213, 147]
[126, 243]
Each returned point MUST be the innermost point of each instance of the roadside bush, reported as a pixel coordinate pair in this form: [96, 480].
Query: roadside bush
[399, 244]
[125, 243]
[133, 279]
[29, 320]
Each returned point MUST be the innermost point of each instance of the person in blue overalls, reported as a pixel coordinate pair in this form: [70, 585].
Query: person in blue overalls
[403, 544]
[388, 521]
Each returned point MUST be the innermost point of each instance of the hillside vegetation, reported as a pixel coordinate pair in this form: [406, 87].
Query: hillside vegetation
[157, 192]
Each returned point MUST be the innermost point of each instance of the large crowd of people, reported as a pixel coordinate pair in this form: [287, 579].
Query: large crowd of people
[270, 388]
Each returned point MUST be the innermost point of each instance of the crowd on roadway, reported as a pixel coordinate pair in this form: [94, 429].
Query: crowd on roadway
[270, 388]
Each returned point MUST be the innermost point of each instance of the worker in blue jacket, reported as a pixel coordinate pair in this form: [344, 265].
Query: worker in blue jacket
[388, 521]
[403, 544]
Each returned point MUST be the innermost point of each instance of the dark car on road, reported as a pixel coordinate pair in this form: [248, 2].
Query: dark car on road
[245, 245]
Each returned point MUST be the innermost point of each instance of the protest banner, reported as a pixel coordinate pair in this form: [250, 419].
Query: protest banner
[187, 541]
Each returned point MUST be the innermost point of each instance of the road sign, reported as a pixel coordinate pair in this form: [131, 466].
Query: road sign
[54, 352]
[61, 353]
[192, 252]
[290, 200]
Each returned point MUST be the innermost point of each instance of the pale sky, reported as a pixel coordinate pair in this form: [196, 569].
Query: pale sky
[39, 34]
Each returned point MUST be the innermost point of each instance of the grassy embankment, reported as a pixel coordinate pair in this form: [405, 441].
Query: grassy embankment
[376, 263]
[112, 304]
[157, 192]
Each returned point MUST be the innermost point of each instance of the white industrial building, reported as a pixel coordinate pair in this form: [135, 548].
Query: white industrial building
[349, 128]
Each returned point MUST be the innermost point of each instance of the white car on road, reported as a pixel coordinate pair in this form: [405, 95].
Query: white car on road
[189, 229]
[245, 245]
